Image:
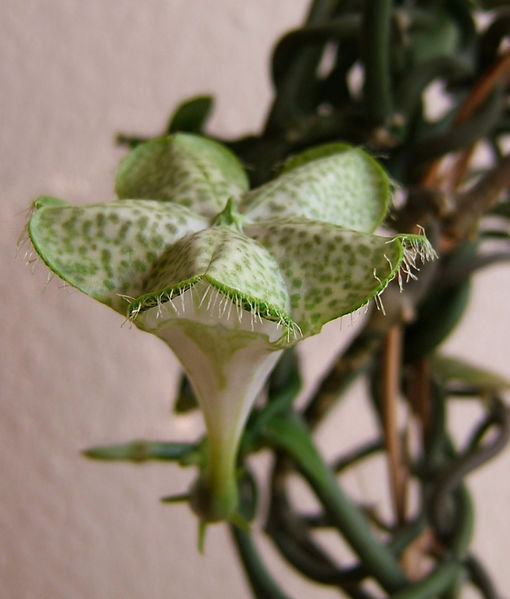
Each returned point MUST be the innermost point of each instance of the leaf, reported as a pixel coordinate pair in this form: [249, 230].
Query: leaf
[186, 169]
[330, 271]
[452, 370]
[347, 188]
[440, 38]
[186, 400]
[191, 115]
[141, 451]
[105, 250]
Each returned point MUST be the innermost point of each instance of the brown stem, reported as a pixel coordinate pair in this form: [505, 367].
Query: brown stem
[419, 394]
[496, 74]
[390, 393]
[498, 71]
[474, 203]
[460, 167]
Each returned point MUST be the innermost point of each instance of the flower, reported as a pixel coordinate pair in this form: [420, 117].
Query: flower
[228, 277]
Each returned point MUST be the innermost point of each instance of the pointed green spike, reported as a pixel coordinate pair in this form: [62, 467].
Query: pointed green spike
[191, 115]
[106, 250]
[237, 520]
[347, 188]
[48, 201]
[179, 498]
[186, 169]
[202, 528]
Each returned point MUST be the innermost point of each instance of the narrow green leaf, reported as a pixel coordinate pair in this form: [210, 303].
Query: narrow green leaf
[179, 498]
[191, 115]
[187, 169]
[440, 38]
[455, 370]
[141, 451]
[106, 250]
[346, 188]
[202, 528]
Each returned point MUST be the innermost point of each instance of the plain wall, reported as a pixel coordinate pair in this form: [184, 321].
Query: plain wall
[72, 74]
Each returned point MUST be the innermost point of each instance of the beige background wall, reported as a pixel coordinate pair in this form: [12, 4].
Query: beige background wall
[73, 73]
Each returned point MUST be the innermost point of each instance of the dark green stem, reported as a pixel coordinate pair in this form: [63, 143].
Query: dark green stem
[437, 582]
[480, 579]
[261, 581]
[376, 40]
[357, 454]
[450, 478]
[321, 10]
[291, 435]
[291, 535]
[214, 496]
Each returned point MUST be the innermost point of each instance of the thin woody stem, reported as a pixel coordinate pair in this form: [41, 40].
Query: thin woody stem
[473, 204]
[418, 391]
[498, 73]
[390, 392]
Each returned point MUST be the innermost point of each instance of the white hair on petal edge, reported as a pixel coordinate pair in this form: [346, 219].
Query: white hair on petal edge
[376, 277]
[204, 295]
[414, 247]
[379, 303]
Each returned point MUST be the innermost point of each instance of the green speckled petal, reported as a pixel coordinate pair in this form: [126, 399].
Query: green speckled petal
[238, 267]
[331, 271]
[105, 250]
[189, 170]
[347, 188]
